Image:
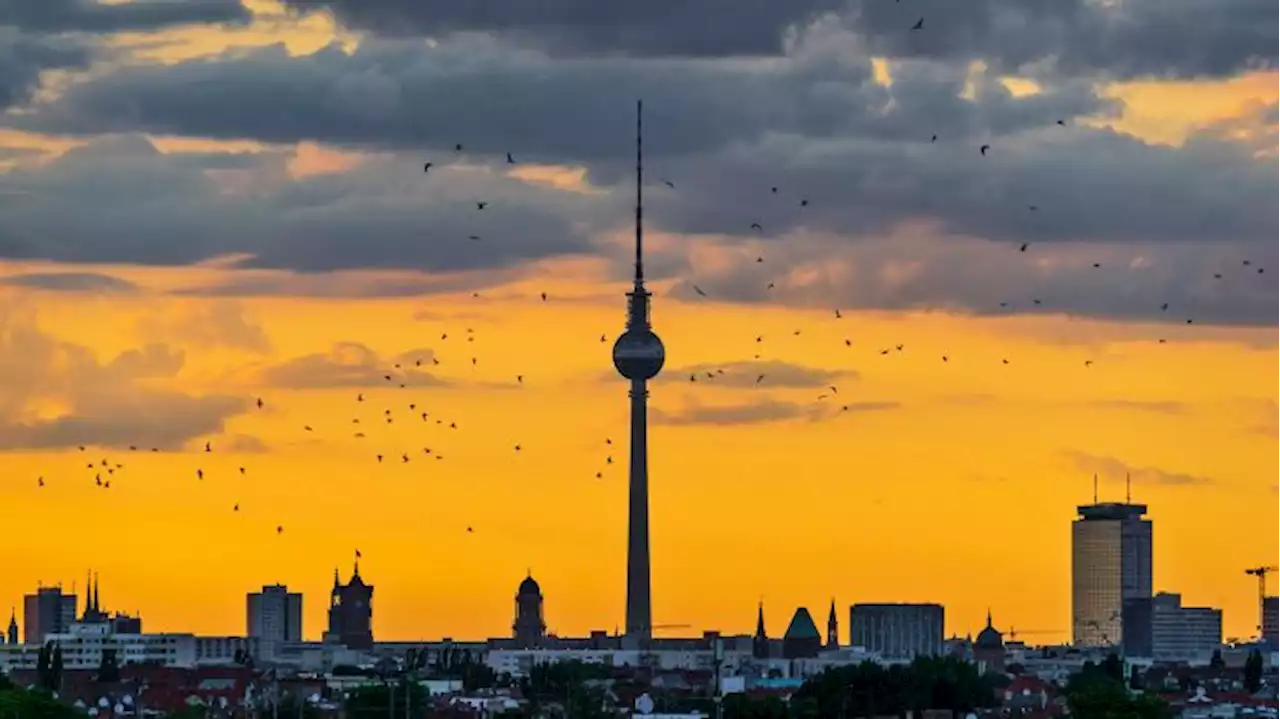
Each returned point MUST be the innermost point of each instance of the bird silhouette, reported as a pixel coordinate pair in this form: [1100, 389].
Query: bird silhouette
[983, 150]
[510, 160]
[919, 24]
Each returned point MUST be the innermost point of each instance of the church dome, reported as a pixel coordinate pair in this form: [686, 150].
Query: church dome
[529, 588]
[989, 637]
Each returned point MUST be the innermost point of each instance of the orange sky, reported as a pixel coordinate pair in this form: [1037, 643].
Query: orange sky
[961, 492]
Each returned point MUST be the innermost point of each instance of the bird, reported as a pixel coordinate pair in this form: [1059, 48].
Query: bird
[235, 508]
[1024, 246]
[520, 379]
[544, 296]
[517, 448]
[1033, 208]
[199, 474]
[470, 530]
[260, 403]
[208, 447]
[919, 24]
[481, 205]
[426, 167]
[759, 379]
[457, 147]
[39, 481]
[1062, 122]
[699, 291]
[983, 150]
[756, 226]
[604, 338]
[1164, 307]
[933, 139]
[669, 183]
[510, 160]
[279, 529]
[1088, 363]
[473, 238]
[804, 203]
[599, 475]
[608, 460]
[838, 315]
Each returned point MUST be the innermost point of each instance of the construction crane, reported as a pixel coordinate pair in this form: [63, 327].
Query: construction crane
[1014, 633]
[1261, 573]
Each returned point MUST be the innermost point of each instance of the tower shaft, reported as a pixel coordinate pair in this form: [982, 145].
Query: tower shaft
[639, 610]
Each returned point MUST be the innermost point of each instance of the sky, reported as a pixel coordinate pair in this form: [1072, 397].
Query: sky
[895, 360]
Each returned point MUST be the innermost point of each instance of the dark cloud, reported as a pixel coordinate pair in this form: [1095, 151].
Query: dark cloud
[761, 411]
[1112, 469]
[352, 364]
[1158, 38]
[1182, 38]
[112, 403]
[93, 16]
[658, 27]
[777, 374]
[382, 215]
[70, 282]
[23, 58]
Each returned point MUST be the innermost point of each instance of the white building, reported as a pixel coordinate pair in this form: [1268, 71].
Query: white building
[83, 646]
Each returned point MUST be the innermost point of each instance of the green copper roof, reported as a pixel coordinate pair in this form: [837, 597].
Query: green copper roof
[802, 626]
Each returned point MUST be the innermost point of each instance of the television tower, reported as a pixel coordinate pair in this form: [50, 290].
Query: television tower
[638, 355]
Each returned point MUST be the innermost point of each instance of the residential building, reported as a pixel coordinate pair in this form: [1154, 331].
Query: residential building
[48, 611]
[273, 617]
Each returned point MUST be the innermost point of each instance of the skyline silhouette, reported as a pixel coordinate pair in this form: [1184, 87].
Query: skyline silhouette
[898, 345]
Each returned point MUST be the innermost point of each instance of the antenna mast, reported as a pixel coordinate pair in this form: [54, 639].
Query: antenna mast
[1128, 495]
[639, 193]
[1095, 487]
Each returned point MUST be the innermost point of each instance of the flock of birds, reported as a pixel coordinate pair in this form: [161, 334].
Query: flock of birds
[412, 409]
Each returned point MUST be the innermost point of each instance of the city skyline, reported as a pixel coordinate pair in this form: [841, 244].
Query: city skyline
[163, 269]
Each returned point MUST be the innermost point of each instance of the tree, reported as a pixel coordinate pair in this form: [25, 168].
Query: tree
[869, 689]
[1095, 693]
[1113, 667]
[42, 665]
[55, 669]
[1253, 671]
[1216, 661]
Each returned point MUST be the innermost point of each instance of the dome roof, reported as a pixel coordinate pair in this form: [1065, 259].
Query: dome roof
[989, 637]
[529, 588]
[802, 626]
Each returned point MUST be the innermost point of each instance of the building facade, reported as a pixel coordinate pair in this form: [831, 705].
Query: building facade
[273, 617]
[1110, 563]
[897, 631]
[84, 644]
[46, 612]
[1183, 634]
[529, 626]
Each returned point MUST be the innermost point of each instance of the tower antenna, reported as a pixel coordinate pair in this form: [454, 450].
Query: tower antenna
[1095, 487]
[1128, 495]
[639, 193]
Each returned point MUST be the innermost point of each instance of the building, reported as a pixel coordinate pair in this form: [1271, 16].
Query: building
[1110, 563]
[1135, 627]
[12, 636]
[760, 641]
[801, 640]
[84, 645]
[120, 623]
[529, 626]
[897, 631]
[988, 648]
[46, 612]
[1183, 634]
[1271, 620]
[273, 617]
[351, 612]
[638, 355]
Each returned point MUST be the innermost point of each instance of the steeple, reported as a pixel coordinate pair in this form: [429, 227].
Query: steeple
[989, 618]
[833, 627]
[337, 583]
[88, 594]
[760, 642]
[13, 626]
[97, 608]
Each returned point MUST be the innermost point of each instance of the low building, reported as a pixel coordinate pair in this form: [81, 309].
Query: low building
[1183, 634]
[897, 631]
[83, 647]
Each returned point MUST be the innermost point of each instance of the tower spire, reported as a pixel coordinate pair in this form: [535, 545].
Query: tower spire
[1095, 487]
[97, 608]
[1128, 494]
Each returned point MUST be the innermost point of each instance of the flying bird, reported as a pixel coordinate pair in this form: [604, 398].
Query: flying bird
[510, 160]
[699, 290]
[756, 226]
[1024, 246]
[669, 183]
[919, 24]
[983, 150]
[426, 167]
[481, 205]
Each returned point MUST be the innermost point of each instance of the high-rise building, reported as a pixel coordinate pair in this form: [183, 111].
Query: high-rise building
[638, 355]
[351, 612]
[273, 617]
[46, 612]
[1110, 564]
[1271, 620]
[897, 631]
[529, 626]
[1183, 634]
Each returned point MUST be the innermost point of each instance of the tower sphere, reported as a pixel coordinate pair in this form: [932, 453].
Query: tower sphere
[638, 354]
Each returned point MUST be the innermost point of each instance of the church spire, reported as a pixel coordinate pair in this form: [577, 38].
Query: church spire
[88, 594]
[989, 618]
[760, 643]
[97, 608]
[13, 626]
[833, 627]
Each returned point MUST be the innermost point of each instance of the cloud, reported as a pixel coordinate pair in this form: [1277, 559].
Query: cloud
[205, 325]
[23, 58]
[1112, 469]
[58, 394]
[242, 444]
[70, 282]
[777, 374]
[93, 16]
[352, 364]
[1157, 406]
[1138, 37]
[384, 215]
[656, 28]
[761, 411]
